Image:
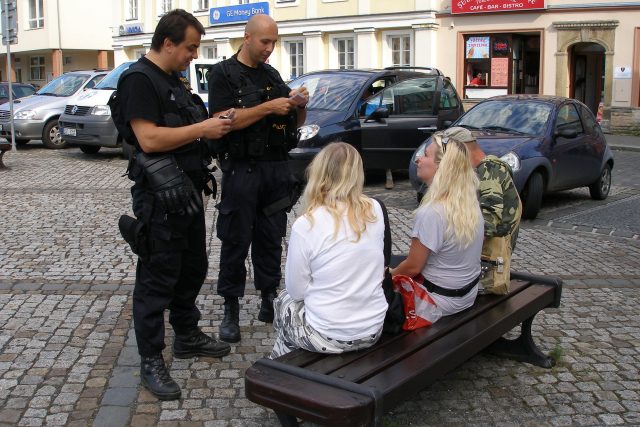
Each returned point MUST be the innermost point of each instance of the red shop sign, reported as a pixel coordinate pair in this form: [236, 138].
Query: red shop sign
[483, 6]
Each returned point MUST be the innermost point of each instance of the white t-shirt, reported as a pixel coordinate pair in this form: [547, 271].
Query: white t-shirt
[340, 280]
[449, 264]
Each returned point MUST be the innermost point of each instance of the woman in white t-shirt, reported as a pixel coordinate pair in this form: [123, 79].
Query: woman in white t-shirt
[446, 241]
[333, 301]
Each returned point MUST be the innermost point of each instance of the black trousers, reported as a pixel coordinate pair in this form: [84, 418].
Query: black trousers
[172, 275]
[247, 189]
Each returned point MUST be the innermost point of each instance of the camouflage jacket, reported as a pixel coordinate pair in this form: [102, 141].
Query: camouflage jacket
[499, 200]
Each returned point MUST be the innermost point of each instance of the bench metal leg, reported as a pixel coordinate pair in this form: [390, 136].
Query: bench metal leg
[522, 349]
[287, 420]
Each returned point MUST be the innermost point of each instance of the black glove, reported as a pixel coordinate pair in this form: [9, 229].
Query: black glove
[170, 184]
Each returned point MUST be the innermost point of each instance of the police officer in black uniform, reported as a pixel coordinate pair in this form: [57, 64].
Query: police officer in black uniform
[154, 111]
[256, 182]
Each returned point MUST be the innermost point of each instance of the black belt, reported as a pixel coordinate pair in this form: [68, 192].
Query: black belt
[432, 287]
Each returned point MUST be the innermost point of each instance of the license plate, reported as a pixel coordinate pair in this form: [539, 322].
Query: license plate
[69, 131]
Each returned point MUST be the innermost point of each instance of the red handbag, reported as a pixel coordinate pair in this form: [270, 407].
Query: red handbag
[419, 308]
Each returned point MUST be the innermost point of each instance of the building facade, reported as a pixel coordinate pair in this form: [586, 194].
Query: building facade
[55, 36]
[586, 49]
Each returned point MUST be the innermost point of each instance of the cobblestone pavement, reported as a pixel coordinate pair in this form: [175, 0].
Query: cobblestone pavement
[68, 355]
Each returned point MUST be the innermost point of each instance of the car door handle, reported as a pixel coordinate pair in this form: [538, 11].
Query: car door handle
[428, 129]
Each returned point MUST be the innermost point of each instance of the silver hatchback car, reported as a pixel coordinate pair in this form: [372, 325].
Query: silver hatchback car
[36, 116]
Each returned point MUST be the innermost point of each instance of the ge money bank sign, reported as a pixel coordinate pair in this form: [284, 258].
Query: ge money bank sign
[482, 6]
[240, 13]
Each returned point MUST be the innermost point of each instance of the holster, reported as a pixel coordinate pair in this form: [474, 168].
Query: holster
[134, 233]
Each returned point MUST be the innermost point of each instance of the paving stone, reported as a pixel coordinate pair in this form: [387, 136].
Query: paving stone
[112, 416]
[120, 396]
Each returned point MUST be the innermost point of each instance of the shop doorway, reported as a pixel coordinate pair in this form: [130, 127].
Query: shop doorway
[587, 74]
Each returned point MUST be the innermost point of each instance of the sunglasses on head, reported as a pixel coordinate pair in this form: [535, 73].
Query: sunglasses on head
[444, 141]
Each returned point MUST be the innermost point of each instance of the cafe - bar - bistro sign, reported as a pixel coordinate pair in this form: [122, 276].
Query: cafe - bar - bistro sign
[482, 6]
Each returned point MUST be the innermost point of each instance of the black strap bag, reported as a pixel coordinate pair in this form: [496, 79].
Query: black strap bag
[394, 319]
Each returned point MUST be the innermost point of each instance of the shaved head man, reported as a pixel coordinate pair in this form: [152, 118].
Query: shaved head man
[257, 186]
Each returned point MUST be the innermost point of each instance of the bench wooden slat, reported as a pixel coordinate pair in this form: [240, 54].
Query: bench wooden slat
[349, 366]
[307, 399]
[422, 368]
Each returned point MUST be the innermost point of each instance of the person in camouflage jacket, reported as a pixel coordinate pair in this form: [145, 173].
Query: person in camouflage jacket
[499, 199]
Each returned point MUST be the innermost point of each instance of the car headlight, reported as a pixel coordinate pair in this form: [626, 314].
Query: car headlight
[512, 160]
[25, 115]
[308, 131]
[101, 110]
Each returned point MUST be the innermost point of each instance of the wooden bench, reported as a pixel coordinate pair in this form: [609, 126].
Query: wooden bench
[357, 388]
[4, 146]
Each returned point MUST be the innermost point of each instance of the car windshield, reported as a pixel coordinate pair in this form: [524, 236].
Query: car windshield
[64, 85]
[335, 92]
[110, 82]
[22, 91]
[525, 117]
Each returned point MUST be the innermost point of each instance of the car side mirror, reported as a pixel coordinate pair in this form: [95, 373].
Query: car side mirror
[379, 114]
[447, 123]
[566, 133]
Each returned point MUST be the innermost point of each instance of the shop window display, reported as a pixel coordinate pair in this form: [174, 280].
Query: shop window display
[501, 64]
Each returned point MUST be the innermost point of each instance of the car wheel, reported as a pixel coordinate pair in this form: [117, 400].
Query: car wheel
[127, 150]
[51, 137]
[90, 149]
[532, 196]
[599, 190]
[22, 141]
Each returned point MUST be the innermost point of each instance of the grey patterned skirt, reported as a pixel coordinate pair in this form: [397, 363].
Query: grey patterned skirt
[293, 331]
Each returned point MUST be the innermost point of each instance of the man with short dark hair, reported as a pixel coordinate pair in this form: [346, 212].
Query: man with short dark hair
[165, 123]
[256, 182]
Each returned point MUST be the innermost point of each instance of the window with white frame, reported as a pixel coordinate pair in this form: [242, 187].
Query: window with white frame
[203, 4]
[296, 58]
[243, 2]
[36, 68]
[36, 14]
[139, 53]
[165, 6]
[209, 51]
[346, 53]
[400, 50]
[132, 10]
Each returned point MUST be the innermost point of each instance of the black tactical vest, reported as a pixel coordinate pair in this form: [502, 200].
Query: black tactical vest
[179, 108]
[272, 135]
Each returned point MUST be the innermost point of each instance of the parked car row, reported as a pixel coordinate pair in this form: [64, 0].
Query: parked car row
[72, 109]
[550, 143]
[36, 116]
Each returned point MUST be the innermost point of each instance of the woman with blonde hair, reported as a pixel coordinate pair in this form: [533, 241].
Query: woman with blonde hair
[447, 236]
[333, 299]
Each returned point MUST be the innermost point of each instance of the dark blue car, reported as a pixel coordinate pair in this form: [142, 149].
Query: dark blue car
[551, 143]
[385, 114]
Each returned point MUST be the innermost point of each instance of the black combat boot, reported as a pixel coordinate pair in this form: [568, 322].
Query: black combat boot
[154, 375]
[266, 306]
[193, 342]
[230, 326]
